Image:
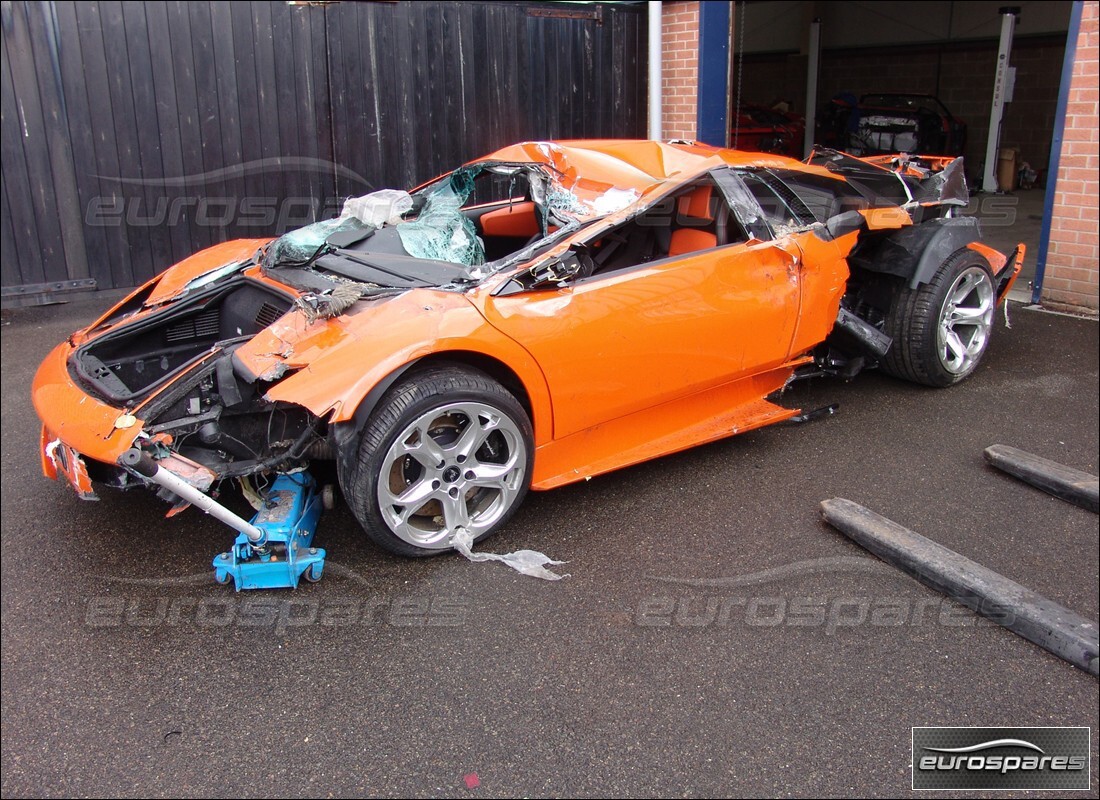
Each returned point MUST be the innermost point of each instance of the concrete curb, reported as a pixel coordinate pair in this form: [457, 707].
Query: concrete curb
[1063, 482]
[1064, 633]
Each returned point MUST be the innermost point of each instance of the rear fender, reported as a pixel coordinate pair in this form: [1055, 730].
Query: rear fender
[914, 253]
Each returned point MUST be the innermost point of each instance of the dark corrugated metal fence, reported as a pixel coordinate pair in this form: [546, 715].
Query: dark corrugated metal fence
[135, 133]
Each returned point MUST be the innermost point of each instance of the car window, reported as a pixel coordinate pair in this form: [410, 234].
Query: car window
[491, 187]
[824, 197]
[783, 208]
[693, 219]
[742, 203]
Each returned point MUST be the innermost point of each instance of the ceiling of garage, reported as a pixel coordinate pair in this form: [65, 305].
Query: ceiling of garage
[780, 25]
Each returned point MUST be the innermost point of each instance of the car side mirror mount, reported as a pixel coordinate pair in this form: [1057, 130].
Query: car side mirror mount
[556, 273]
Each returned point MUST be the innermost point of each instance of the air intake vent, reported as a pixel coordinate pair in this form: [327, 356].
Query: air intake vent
[201, 326]
[800, 210]
[268, 314]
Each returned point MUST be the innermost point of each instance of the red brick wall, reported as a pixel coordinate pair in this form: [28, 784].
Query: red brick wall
[1071, 272]
[680, 74]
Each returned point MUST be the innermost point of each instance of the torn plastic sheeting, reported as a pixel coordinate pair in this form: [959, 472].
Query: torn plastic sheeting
[614, 200]
[442, 232]
[384, 207]
[528, 562]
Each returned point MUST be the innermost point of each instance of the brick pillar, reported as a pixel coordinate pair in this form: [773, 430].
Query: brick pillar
[680, 73]
[1070, 281]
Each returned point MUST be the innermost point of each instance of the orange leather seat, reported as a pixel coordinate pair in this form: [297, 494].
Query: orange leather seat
[517, 220]
[689, 240]
[696, 204]
[693, 206]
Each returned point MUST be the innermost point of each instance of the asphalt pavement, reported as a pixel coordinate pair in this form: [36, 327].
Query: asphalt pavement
[714, 636]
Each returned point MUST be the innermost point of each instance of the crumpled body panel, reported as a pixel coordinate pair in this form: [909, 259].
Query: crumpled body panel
[639, 298]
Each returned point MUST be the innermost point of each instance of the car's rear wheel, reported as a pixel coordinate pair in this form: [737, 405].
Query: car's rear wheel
[941, 329]
[447, 448]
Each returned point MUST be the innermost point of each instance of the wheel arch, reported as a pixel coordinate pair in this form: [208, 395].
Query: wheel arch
[495, 368]
[536, 404]
[915, 252]
[917, 318]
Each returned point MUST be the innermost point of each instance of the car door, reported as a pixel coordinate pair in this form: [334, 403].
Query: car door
[648, 333]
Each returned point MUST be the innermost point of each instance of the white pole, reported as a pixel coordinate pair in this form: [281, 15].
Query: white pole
[811, 85]
[1000, 85]
[655, 64]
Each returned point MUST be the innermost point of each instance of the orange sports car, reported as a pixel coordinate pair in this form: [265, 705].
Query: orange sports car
[545, 314]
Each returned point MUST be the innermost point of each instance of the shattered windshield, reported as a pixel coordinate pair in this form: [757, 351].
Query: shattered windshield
[441, 231]
[447, 222]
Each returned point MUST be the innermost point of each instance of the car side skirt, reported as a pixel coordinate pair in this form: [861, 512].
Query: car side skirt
[707, 416]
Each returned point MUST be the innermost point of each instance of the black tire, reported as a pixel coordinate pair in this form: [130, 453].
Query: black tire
[458, 397]
[919, 352]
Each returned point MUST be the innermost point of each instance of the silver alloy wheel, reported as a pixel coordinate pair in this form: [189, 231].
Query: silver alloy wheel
[457, 465]
[965, 320]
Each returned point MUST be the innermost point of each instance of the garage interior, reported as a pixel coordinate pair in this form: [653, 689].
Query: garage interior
[944, 49]
[948, 50]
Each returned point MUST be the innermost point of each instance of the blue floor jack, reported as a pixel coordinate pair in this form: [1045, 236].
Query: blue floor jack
[284, 553]
[273, 551]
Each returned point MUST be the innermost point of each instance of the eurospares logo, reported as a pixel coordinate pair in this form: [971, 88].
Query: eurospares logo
[1001, 758]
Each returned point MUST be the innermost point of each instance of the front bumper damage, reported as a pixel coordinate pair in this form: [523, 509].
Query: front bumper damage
[205, 425]
[81, 435]
[84, 438]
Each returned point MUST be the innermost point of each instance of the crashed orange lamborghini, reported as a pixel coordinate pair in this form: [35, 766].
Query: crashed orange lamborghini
[542, 315]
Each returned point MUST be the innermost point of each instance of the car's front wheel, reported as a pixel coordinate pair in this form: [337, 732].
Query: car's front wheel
[941, 329]
[447, 448]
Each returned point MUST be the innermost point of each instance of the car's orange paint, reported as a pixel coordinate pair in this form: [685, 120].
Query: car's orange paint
[615, 344]
[996, 259]
[170, 283]
[515, 220]
[591, 167]
[823, 275]
[886, 217]
[342, 359]
[1021, 252]
[75, 417]
[602, 165]
[65, 461]
[706, 416]
[999, 262]
[220, 255]
[618, 368]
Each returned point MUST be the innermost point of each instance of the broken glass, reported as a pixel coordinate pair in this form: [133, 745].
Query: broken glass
[442, 232]
[368, 212]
